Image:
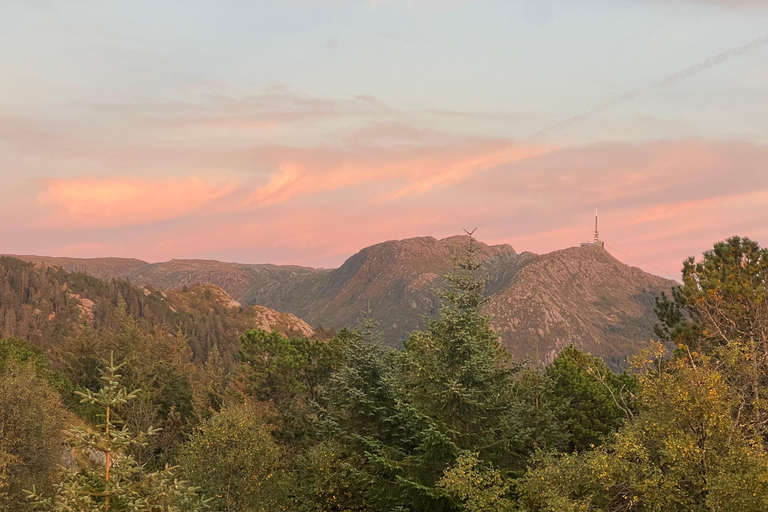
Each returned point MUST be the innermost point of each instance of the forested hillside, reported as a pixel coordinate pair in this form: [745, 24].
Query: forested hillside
[45, 305]
[449, 423]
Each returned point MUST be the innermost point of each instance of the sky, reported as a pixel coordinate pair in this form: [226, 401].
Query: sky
[299, 132]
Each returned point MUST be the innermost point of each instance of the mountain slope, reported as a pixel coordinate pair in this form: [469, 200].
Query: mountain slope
[280, 287]
[582, 296]
[396, 280]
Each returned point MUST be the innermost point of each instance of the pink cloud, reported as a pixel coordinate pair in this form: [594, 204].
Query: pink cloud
[319, 236]
[86, 203]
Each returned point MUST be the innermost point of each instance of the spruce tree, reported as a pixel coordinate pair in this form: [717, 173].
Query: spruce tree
[119, 484]
[459, 385]
[362, 416]
[408, 417]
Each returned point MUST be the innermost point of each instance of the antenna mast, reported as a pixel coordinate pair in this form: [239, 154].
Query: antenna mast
[597, 237]
[596, 242]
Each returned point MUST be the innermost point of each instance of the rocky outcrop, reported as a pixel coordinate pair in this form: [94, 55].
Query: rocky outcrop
[211, 299]
[286, 323]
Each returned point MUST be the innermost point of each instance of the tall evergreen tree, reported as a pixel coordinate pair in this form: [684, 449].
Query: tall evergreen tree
[460, 381]
[363, 415]
[449, 393]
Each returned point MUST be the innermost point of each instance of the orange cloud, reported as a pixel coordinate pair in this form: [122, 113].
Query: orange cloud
[85, 203]
[400, 171]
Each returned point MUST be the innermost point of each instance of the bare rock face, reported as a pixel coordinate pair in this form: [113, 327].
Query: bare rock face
[84, 305]
[201, 296]
[581, 296]
[286, 323]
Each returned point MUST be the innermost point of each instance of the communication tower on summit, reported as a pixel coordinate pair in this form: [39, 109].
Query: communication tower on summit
[596, 242]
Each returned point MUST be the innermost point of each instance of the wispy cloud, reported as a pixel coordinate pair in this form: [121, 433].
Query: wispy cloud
[398, 172]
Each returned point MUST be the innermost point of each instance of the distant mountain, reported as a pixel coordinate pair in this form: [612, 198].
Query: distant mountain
[538, 303]
[103, 268]
[281, 287]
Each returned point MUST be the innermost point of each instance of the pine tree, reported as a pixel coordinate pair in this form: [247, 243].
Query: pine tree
[722, 310]
[121, 484]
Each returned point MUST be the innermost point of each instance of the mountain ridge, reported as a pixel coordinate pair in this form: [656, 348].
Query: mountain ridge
[539, 303]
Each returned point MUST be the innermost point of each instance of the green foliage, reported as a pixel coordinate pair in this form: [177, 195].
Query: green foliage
[287, 374]
[121, 484]
[234, 460]
[408, 416]
[31, 419]
[328, 482]
[542, 425]
[360, 398]
[722, 311]
[456, 373]
[459, 384]
[210, 386]
[19, 351]
[158, 364]
[478, 488]
[686, 450]
[362, 411]
[723, 297]
[591, 401]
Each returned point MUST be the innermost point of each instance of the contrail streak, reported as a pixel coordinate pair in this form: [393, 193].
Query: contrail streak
[663, 84]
